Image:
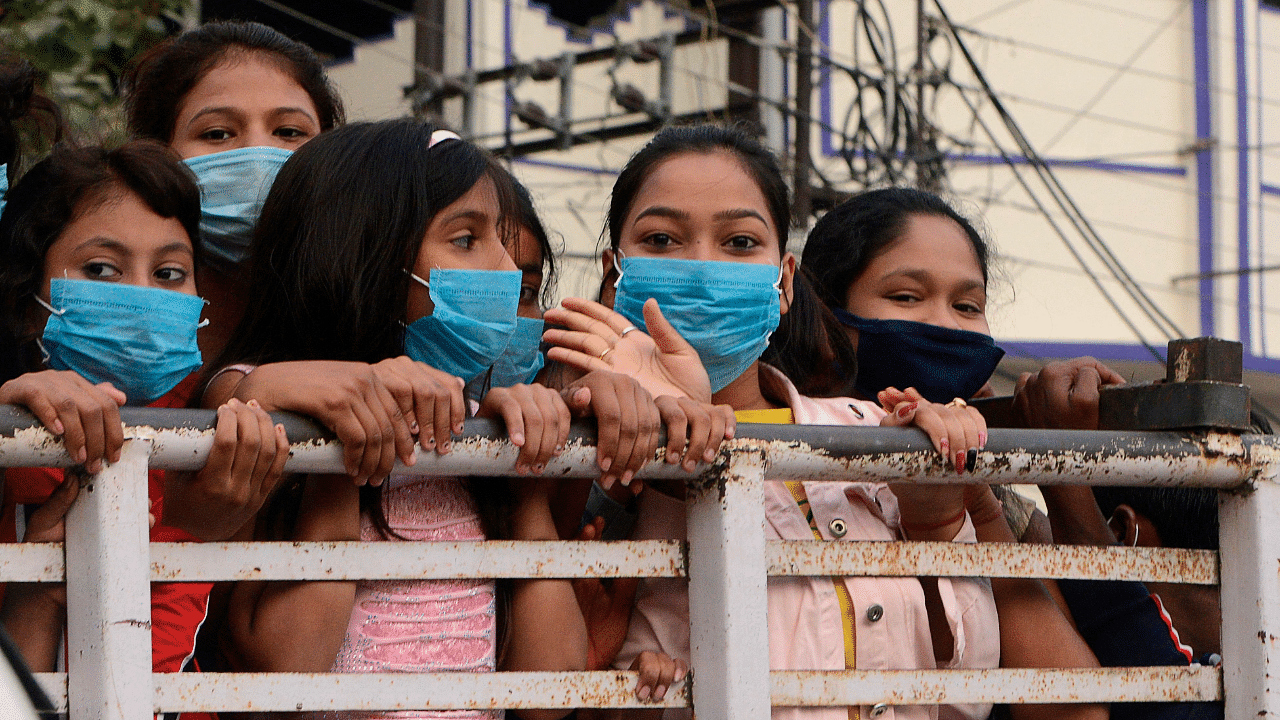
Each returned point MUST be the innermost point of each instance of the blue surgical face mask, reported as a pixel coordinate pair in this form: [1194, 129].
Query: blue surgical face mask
[472, 323]
[140, 339]
[726, 310]
[233, 186]
[521, 361]
[942, 363]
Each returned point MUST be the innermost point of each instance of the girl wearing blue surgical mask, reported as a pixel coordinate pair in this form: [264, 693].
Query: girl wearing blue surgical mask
[98, 281]
[233, 99]
[697, 258]
[382, 264]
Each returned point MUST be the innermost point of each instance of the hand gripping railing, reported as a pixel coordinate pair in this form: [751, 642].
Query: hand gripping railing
[727, 560]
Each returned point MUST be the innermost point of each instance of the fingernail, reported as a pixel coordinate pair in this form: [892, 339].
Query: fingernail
[626, 477]
[906, 410]
[644, 693]
[413, 428]
[57, 427]
[94, 467]
[522, 469]
[680, 674]
[605, 463]
[606, 482]
[982, 438]
[457, 429]
[709, 455]
[971, 458]
[673, 458]
[690, 465]
[538, 468]
[946, 446]
[959, 461]
[82, 455]
[413, 456]
[428, 442]
[517, 439]
[660, 693]
[253, 404]
[445, 447]
[559, 449]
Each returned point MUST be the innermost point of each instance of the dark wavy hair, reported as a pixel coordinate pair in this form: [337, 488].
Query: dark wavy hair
[160, 78]
[527, 217]
[65, 185]
[24, 110]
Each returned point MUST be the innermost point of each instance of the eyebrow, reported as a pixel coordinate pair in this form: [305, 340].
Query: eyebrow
[740, 214]
[113, 244]
[476, 215]
[229, 110]
[662, 211]
[924, 276]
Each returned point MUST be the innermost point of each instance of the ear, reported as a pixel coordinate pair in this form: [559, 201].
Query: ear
[787, 285]
[609, 277]
[1124, 525]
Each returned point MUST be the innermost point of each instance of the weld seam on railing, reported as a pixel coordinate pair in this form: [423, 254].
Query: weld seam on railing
[269, 692]
[942, 559]
[216, 562]
[831, 688]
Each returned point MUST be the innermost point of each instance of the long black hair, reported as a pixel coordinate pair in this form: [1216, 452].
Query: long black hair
[344, 220]
[160, 78]
[60, 188]
[527, 217]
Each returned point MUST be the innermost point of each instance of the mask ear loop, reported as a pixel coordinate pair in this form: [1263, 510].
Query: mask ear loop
[617, 254]
[49, 307]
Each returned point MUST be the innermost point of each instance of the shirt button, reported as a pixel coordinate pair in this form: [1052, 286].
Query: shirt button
[879, 709]
[874, 613]
[838, 527]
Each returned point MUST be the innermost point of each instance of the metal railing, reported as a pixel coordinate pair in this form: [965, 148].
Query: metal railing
[108, 562]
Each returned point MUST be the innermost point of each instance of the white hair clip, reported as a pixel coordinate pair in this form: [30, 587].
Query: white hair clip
[440, 136]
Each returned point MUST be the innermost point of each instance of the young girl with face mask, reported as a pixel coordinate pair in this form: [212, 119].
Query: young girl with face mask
[697, 228]
[234, 100]
[382, 245]
[906, 275]
[97, 279]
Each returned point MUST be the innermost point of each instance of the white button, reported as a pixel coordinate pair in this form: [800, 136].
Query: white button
[879, 709]
[874, 613]
[838, 527]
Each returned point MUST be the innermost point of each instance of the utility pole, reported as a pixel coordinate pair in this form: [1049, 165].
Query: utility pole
[802, 204]
[428, 50]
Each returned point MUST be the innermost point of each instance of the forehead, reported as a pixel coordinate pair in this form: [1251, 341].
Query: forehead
[701, 181]
[930, 242]
[247, 78]
[120, 215]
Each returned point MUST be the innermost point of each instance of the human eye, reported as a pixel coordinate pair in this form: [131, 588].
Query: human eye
[465, 242]
[742, 242]
[658, 240]
[171, 274]
[292, 133]
[101, 270]
[903, 297]
[216, 135]
[528, 293]
[969, 307]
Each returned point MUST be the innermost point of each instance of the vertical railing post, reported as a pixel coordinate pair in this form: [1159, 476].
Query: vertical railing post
[108, 596]
[729, 634]
[1250, 586]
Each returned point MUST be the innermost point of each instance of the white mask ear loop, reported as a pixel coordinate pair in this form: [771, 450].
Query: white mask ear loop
[617, 254]
[49, 307]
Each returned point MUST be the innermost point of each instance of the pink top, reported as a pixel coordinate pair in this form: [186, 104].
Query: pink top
[422, 625]
[805, 627]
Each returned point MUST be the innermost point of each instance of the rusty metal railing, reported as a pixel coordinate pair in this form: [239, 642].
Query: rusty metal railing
[107, 563]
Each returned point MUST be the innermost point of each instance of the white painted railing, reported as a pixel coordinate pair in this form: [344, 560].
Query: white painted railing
[108, 564]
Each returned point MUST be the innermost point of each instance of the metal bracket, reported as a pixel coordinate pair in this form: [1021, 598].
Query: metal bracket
[1202, 389]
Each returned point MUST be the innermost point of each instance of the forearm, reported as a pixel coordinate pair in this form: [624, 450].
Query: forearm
[299, 626]
[1075, 517]
[34, 621]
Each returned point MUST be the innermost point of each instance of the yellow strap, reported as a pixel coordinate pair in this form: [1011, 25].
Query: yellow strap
[771, 416]
[842, 592]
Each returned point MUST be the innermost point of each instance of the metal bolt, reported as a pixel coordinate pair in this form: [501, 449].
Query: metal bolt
[838, 527]
[874, 613]
[879, 709]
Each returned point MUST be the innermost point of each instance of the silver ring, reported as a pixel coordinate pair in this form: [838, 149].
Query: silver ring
[628, 329]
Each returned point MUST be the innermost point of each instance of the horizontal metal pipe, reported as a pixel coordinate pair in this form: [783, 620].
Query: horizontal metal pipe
[944, 559]
[283, 692]
[795, 452]
[796, 688]
[205, 562]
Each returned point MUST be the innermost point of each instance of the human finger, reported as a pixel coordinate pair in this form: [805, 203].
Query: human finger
[549, 409]
[700, 437]
[664, 334]
[615, 321]
[577, 359]
[397, 396]
[677, 422]
[647, 430]
[268, 448]
[584, 342]
[607, 407]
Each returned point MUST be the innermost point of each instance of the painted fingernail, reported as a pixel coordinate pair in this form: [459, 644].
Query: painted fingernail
[253, 404]
[906, 410]
[971, 458]
[946, 446]
[959, 461]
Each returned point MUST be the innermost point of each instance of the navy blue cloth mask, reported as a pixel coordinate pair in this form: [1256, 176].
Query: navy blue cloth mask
[472, 323]
[140, 339]
[941, 363]
[725, 310]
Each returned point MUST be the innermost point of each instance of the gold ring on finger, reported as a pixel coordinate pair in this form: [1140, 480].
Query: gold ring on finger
[957, 403]
[606, 352]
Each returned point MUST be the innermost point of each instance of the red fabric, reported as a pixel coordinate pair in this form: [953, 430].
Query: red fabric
[177, 609]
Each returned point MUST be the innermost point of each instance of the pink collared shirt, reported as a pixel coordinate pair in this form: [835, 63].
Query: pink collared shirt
[805, 626]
